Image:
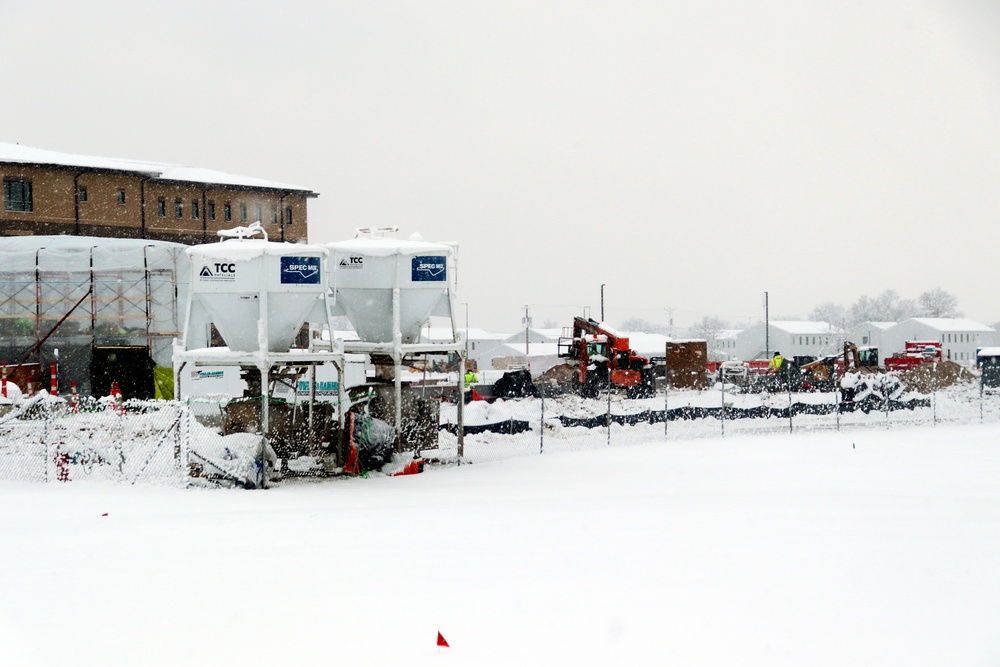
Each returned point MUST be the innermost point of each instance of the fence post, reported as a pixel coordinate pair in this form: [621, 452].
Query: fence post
[836, 401]
[541, 422]
[980, 397]
[666, 409]
[607, 417]
[885, 398]
[934, 385]
[791, 428]
[722, 421]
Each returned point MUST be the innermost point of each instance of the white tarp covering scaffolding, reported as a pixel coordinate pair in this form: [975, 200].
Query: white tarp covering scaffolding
[106, 292]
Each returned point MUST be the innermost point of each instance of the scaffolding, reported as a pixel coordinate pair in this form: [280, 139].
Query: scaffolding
[62, 296]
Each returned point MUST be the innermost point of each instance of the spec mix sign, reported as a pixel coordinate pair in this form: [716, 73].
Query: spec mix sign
[428, 269]
[299, 270]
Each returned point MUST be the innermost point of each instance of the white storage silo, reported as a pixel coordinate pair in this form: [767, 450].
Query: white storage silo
[365, 272]
[257, 293]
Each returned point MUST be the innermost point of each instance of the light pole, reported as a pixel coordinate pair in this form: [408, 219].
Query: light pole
[602, 302]
[466, 330]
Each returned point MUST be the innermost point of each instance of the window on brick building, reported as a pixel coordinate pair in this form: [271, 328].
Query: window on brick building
[178, 208]
[195, 209]
[161, 207]
[120, 197]
[17, 195]
[210, 210]
[227, 212]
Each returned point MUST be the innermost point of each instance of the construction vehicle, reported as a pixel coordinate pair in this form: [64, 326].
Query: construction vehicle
[823, 374]
[604, 361]
[915, 353]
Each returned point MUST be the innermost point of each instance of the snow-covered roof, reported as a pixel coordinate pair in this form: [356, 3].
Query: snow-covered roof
[881, 326]
[950, 323]
[18, 154]
[647, 344]
[803, 327]
[440, 334]
[989, 352]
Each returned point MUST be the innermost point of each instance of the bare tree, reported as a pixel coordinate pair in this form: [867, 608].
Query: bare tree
[938, 303]
[830, 312]
[709, 329]
[886, 307]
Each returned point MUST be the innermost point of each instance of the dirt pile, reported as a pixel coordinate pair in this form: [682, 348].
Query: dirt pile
[926, 378]
[557, 380]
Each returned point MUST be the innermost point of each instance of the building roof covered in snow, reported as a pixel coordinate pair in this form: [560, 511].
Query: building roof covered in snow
[803, 327]
[18, 154]
[950, 324]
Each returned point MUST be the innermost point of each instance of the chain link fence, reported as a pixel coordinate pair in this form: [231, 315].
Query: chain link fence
[48, 439]
[551, 422]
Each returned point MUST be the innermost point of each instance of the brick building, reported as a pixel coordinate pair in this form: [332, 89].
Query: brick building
[50, 193]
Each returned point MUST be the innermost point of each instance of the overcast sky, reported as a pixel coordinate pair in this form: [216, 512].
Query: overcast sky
[690, 155]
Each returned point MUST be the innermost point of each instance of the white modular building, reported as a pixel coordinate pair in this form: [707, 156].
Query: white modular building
[959, 337]
[790, 337]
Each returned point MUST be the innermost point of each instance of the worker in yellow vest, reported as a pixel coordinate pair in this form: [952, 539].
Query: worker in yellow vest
[470, 379]
[776, 362]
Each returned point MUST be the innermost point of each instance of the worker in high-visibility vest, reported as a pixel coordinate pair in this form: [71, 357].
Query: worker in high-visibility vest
[469, 380]
[776, 362]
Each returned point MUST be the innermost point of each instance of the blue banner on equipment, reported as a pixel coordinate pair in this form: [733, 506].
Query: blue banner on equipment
[299, 270]
[429, 268]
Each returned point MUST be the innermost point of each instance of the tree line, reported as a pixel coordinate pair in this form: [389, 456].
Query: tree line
[888, 306]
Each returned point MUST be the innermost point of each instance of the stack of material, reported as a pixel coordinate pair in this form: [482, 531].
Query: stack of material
[687, 364]
[925, 378]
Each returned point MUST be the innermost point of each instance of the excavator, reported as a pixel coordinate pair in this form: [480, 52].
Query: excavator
[604, 360]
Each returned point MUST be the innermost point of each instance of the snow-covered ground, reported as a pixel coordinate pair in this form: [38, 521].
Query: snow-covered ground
[861, 547]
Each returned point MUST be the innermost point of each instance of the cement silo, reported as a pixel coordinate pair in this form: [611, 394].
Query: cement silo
[256, 292]
[388, 289]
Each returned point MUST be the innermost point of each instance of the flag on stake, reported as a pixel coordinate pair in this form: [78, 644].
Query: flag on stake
[441, 640]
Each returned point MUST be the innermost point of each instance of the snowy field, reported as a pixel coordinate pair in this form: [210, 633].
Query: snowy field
[863, 547]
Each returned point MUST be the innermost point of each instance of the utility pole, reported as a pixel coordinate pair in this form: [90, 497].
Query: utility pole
[527, 325]
[767, 329]
[602, 302]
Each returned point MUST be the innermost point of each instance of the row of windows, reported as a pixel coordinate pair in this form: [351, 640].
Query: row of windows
[81, 195]
[962, 338]
[17, 197]
[816, 340]
[227, 210]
